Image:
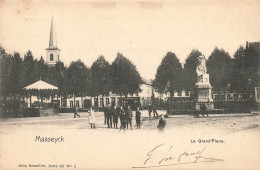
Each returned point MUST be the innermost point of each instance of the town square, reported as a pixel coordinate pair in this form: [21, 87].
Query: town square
[129, 85]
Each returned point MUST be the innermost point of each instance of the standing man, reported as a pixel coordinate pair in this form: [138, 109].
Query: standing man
[115, 116]
[109, 116]
[105, 114]
[149, 110]
[76, 111]
[129, 114]
[155, 111]
[138, 118]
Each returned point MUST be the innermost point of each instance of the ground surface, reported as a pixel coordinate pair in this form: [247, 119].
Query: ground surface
[108, 148]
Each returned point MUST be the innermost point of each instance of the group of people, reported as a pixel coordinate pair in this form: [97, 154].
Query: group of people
[125, 115]
[112, 114]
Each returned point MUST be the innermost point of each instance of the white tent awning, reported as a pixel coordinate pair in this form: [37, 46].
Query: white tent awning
[41, 85]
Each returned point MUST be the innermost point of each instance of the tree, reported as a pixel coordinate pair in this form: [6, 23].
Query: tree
[252, 62]
[100, 78]
[27, 73]
[189, 70]
[14, 73]
[245, 67]
[170, 70]
[219, 69]
[238, 79]
[40, 70]
[60, 72]
[5, 61]
[125, 77]
[78, 79]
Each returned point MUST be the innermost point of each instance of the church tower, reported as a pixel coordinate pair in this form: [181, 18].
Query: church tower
[52, 52]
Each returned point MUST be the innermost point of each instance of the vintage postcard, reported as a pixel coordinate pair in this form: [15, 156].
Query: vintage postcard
[135, 84]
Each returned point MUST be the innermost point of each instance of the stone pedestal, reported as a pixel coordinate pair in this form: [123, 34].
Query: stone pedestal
[204, 92]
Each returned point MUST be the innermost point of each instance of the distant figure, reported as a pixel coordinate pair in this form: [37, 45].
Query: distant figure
[109, 116]
[155, 111]
[76, 111]
[162, 123]
[129, 114]
[92, 119]
[138, 118]
[149, 110]
[123, 119]
[115, 116]
[168, 111]
[105, 114]
[203, 109]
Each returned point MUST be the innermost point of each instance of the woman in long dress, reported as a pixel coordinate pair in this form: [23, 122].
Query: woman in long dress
[123, 119]
[92, 119]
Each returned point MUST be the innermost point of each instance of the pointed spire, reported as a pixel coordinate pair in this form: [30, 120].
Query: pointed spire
[51, 33]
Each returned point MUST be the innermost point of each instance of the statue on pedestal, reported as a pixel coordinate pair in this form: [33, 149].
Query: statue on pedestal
[203, 85]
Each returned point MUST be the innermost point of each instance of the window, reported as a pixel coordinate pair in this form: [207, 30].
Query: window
[179, 93]
[77, 103]
[58, 57]
[113, 101]
[64, 103]
[186, 93]
[118, 102]
[51, 57]
[107, 101]
[257, 92]
[71, 104]
[100, 102]
[96, 102]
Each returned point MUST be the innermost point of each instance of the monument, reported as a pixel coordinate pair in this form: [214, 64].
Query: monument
[203, 85]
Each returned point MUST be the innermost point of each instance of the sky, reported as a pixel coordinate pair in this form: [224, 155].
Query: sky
[143, 31]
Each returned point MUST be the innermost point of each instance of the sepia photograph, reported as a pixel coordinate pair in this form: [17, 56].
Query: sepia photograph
[135, 84]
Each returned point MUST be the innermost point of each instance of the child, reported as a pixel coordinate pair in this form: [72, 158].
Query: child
[138, 118]
[92, 119]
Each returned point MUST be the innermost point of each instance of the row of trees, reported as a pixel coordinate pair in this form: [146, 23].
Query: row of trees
[122, 77]
[77, 79]
[225, 72]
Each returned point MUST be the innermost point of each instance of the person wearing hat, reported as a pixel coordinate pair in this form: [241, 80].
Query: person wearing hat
[109, 116]
[129, 114]
[115, 116]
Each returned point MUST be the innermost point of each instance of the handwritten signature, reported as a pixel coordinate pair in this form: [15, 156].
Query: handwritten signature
[157, 158]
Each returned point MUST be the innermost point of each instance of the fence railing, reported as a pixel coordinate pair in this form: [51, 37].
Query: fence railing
[188, 107]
